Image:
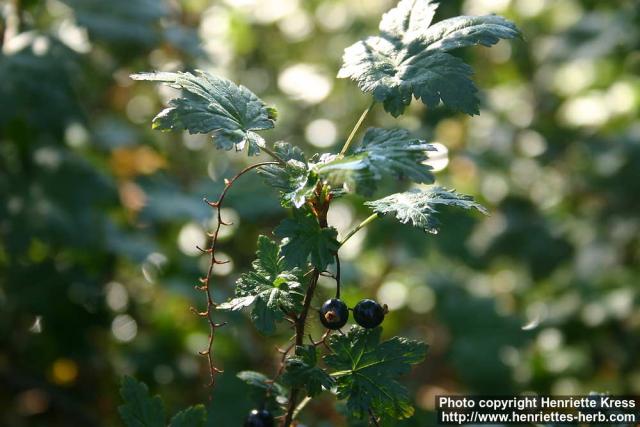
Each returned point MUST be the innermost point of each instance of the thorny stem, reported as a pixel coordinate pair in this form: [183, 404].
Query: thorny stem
[205, 282]
[359, 227]
[355, 128]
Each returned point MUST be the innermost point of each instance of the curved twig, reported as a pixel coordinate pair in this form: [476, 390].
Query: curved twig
[205, 281]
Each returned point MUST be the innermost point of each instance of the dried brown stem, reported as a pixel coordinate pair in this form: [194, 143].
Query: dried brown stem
[205, 282]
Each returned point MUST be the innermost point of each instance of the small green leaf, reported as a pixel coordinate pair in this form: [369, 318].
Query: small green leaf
[304, 239]
[213, 104]
[139, 409]
[194, 416]
[410, 59]
[273, 290]
[261, 381]
[269, 260]
[384, 153]
[293, 179]
[419, 207]
[366, 371]
[301, 371]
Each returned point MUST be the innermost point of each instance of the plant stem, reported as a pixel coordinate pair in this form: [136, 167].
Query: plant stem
[300, 323]
[337, 276]
[301, 406]
[355, 128]
[205, 282]
[358, 227]
[13, 22]
[270, 152]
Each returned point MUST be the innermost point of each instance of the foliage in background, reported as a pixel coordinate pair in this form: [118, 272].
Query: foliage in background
[92, 209]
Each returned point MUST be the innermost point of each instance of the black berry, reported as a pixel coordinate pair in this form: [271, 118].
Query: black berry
[369, 313]
[259, 418]
[334, 314]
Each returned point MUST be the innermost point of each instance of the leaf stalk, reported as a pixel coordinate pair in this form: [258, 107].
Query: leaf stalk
[355, 128]
[359, 227]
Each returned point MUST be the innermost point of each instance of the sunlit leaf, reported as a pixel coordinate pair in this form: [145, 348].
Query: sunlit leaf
[292, 180]
[409, 58]
[419, 207]
[383, 154]
[213, 104]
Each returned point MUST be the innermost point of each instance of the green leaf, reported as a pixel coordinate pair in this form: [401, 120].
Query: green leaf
[304, 239]
[213, 104]
[194, 416]
[130, 22]
[292, 180]
[418, 207]
[409, 58]
[269, 262]
[301, 371]
[350, 173]
[384, 153]
[272, 290]
[394, 152]
[366, 371]
[261, 381]
[139, 409]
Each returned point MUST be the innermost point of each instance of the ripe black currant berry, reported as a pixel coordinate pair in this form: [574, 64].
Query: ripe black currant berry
[369, 313]
[334, 314]
[259, 418]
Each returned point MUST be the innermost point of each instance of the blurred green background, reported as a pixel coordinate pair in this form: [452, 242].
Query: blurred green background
[100, 215]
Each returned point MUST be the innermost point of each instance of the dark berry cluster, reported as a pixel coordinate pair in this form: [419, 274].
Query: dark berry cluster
[367, 313]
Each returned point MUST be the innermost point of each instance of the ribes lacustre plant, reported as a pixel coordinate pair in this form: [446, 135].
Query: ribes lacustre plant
[409, 59]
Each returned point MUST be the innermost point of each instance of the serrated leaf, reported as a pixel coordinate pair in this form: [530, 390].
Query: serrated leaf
[213, 104]
[269, 261]
[261, 381]
[409, 58]
[366, 371]
[301, 371]
[194, 416]
[139, 409]
[383, 153]
[304, 240]
[418, 207]
[345, 174]
[273, 290]
[395, 152]
[293, 180]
